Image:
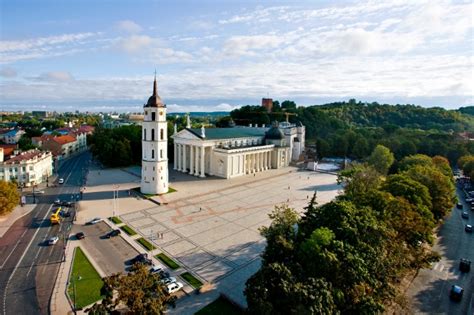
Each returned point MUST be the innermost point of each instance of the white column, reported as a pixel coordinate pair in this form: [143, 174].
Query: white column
[175, 166]
[202, 162]
[196, 161]
[191, 159]
[261, 161]
[254, 164]
[266, 160]
[184, 158]
[258, 162]
[269, 159]
[179, 156]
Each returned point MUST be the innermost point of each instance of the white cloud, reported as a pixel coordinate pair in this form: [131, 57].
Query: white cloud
[15, 50]
[247, 45]
[129, 26]
[135, 43]
[8, 72]
[56, 76]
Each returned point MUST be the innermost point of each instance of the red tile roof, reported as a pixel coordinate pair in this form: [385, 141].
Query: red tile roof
[64, 139]
[25, 156]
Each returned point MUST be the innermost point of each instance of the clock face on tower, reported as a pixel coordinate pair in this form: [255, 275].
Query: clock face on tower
[161, 113]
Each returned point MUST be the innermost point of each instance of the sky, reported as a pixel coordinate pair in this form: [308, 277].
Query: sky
[101, 55]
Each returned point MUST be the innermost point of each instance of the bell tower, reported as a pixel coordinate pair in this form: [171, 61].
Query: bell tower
[154, 146]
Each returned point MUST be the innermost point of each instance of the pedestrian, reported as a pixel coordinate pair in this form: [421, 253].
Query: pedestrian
[307, 196]
[161, 235]
[200, 209]
[253, 174]
[288, 200]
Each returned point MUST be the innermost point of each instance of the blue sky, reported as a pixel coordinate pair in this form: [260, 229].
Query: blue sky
[218, 55]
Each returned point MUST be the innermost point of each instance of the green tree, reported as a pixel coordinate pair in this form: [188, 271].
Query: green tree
[9, 197]
[140, 291]
[25, 143]
[381, 159]
[413, 160]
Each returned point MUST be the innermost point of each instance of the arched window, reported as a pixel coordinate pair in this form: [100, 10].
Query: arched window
[161, 154]
[144, 134]
[153, 116]
[152, 154]
[162, 134]
[153, 135]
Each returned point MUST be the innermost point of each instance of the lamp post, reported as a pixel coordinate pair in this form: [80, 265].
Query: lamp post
[115, 200]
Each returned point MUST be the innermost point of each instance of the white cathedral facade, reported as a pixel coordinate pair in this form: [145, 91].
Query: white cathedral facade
[221, 152]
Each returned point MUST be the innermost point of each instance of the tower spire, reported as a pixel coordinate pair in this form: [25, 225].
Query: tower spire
[154, 85]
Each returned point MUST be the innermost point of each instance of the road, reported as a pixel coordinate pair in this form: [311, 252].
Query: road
[28, 267]
[429, 292]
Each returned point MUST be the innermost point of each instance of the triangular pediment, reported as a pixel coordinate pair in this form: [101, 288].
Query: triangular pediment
[185, 134]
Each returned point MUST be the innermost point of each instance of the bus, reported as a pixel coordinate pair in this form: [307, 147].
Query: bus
[55, 217]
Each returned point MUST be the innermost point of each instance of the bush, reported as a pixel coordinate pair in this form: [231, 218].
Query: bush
[115, 220]
[193, 281]
[147, 245]
[128, 230]
[167, 261]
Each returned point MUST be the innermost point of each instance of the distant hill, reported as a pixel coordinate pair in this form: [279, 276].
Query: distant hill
[469, 110]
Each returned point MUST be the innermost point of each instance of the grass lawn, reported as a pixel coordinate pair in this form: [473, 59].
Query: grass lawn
[115, 220]
[84, 281]
[167, 261]
[220, 306]
[128, 230]
[147, 245]
[193, 281]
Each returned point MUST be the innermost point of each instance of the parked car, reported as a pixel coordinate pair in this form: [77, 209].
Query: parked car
[53, 240]
[156, 269]
[468, 228]
[61, 181]
[142, 259]
[465, 265]
[168, 280]
[465, 215]
[456, 293]
[174, 287]
[113, 233]
[459, 205]
[94, 221]
[80, 235]
[57, 202]
[469, 199]
[65, 214]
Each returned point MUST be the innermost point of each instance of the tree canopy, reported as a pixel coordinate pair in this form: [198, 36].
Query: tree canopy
[9, 197]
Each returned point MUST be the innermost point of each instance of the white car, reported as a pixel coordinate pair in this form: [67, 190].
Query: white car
[53, 240]
[174, 287]
[156, 269]
[61, 181]
[168, 280]
[94, 221]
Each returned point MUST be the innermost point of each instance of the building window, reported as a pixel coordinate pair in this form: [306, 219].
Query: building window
[161, 154]
[153, 135]
[153, 177]
[153, 116]
[152, 154]
[153, 168]
[162, 134]
[144, 134]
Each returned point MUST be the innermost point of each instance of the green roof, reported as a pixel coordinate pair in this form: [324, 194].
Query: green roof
[228, 133]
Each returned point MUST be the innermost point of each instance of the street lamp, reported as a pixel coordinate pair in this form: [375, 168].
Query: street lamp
[115, 200]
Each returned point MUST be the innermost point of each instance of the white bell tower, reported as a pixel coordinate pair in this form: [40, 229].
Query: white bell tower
[154, 146]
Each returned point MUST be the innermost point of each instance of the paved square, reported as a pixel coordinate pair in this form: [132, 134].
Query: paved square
[211, 226]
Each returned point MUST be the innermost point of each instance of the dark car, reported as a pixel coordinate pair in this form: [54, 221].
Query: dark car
[465, 265]
[113, 233]
[80, 235]
[456, 293]
[468, 228]
[465, 215]
[67, 203]
[65, 214]
[459, 205]
[142, 259]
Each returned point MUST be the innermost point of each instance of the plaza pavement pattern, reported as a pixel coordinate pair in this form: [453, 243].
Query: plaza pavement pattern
[210, 226]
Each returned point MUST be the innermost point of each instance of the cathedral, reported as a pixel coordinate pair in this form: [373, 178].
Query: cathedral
[221, 152]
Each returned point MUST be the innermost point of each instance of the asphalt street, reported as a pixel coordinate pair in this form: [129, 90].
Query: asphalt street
[28, 266]
[430, 290]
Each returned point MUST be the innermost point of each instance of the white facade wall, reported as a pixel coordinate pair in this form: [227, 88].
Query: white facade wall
[28, 172]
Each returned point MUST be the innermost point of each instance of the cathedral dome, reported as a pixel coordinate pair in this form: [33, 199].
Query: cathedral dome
[274, 133]
[155, 100]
